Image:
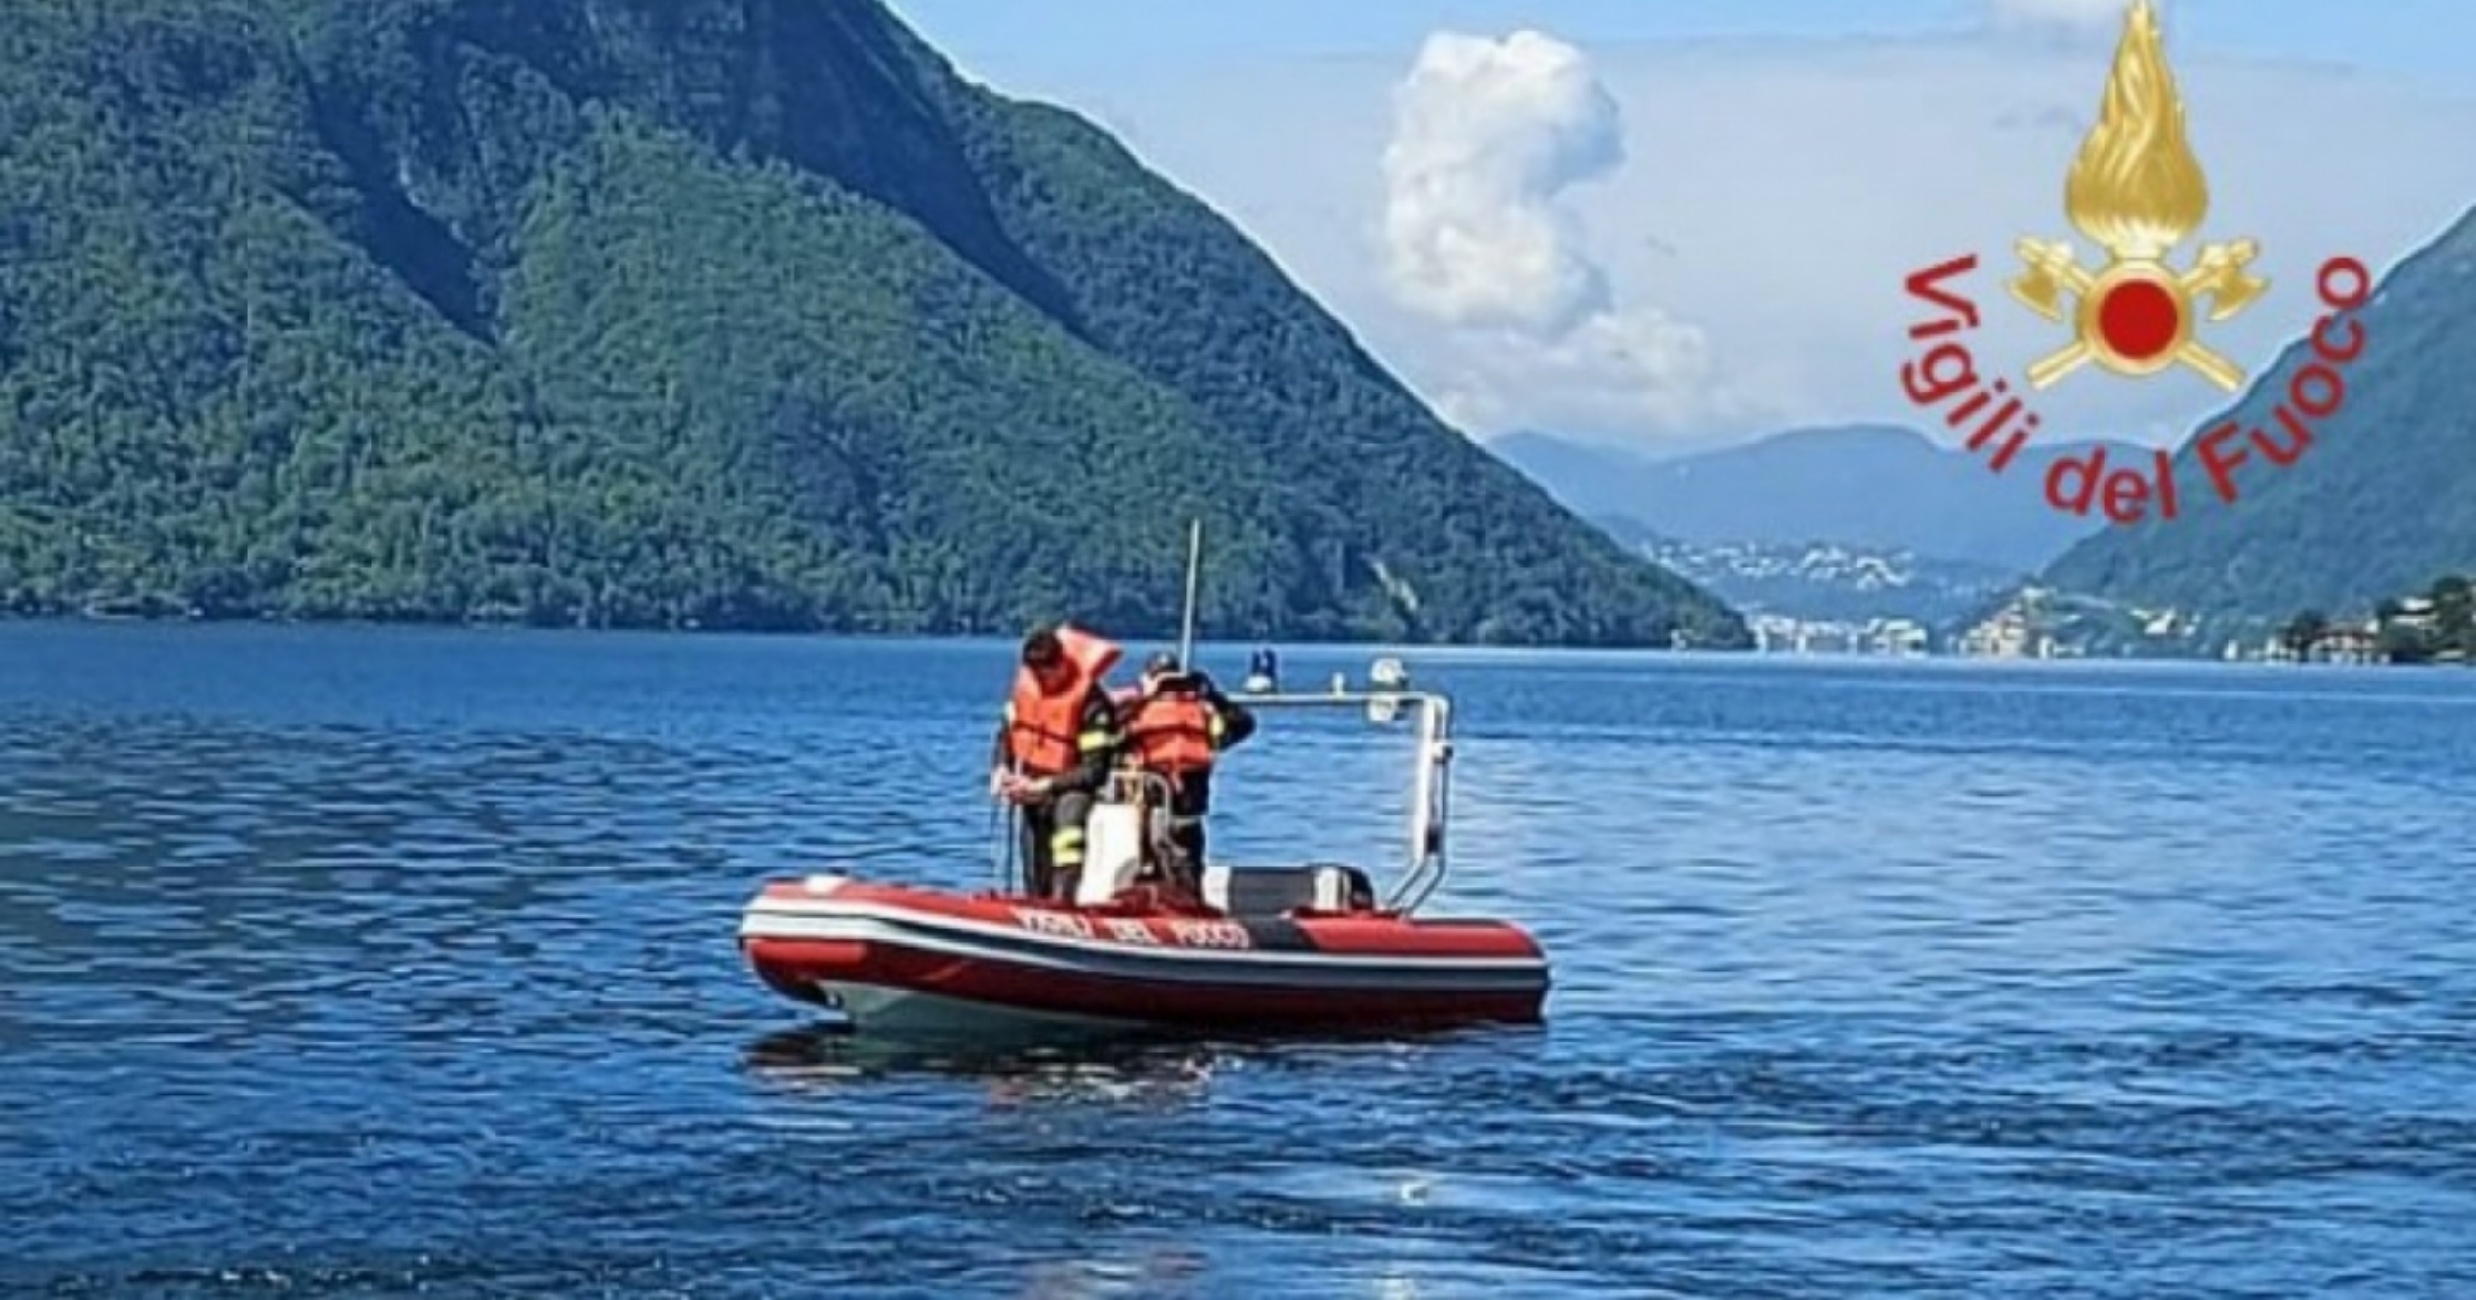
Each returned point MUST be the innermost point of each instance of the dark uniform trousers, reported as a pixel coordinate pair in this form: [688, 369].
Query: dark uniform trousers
[1190, 804]
[1053, 832]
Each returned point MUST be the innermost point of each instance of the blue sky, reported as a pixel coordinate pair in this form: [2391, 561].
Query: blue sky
[1595, 218]
[1045, 40]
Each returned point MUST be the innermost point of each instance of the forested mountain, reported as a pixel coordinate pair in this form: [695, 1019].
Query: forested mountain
[737, 313]
[2383, 501]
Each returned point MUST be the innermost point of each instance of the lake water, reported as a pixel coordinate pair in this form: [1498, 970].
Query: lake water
[373, 962]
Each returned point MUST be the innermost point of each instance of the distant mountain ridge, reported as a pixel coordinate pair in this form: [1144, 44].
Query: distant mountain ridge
[1879, 487]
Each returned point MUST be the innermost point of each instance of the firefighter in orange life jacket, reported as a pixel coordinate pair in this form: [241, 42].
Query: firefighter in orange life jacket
[1055, 744]
[1177, 724]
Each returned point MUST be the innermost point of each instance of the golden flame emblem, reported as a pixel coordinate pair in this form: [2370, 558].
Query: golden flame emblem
[2136, 189]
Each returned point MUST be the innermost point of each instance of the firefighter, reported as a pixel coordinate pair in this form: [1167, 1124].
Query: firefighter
[1056, 742]
[1177, 725]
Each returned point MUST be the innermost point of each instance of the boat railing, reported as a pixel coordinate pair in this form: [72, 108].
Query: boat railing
[1431, 773]
[1135, 785]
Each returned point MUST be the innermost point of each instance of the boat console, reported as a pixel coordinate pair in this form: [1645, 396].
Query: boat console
[1272, 891]
[1127, 832]
[1430, 778]
[1117, 845]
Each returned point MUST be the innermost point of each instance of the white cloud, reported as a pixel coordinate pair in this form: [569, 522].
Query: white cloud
[1769, 198]
[1486, 134]
[1488, 138]
[1614, 374]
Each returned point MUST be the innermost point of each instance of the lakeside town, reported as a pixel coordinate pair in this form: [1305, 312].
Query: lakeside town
[2436, 626]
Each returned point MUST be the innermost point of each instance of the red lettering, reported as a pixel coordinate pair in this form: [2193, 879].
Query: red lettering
[2333, 390]
[1926, 286]
[1210, 934]
[2355, 339]
[2088, 472]
[2220, 463]
[1994, 423]
[1061, 924]
[2127, 496]
[1947, 368]
[1130, 931]
[2284, 454]
[1976, 403]
[2166, 484]
[2360, 283]
[2011, 447]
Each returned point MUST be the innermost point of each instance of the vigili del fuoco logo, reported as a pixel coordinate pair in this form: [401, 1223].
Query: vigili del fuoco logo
[2136, 190]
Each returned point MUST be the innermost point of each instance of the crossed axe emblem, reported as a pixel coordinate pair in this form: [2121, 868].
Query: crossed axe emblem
[2218, 275]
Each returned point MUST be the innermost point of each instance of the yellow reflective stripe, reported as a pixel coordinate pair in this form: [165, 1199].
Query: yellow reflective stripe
[1217, 728]
[1091, 740]
[1066, 846]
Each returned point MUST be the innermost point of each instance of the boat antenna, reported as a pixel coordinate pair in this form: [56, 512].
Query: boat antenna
[1194, 571]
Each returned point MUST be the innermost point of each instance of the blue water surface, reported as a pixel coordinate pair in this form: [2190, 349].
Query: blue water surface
[377, 962]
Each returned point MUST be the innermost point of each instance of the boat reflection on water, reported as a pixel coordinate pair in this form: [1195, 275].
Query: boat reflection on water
[1160, 1270]
[826, 1056]
[822, 1058]
[1175, 1270]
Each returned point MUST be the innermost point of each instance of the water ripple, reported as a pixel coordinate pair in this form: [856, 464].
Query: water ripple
[381, 962]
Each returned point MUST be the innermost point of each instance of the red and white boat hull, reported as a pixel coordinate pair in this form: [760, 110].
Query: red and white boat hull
[901, 959]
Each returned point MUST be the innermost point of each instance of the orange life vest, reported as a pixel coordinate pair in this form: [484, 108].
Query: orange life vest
[1042, 727]
[1171, 733]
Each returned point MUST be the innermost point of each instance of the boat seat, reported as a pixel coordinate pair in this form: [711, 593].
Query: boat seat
[1271, 891]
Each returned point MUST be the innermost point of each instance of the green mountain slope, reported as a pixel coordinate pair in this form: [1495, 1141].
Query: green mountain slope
[654, 312]
[2382, 502]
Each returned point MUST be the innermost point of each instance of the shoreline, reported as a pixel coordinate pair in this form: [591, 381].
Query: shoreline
[1137, 643]
[1168, 636]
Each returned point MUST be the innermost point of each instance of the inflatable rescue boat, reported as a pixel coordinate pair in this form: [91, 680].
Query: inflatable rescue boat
[1282, 947]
